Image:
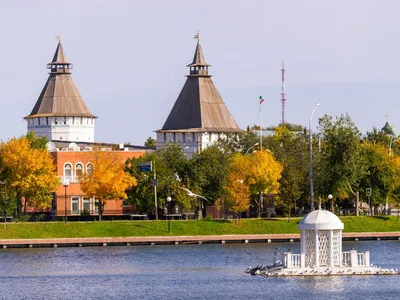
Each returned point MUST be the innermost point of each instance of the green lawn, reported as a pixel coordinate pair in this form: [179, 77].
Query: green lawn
[160, 228]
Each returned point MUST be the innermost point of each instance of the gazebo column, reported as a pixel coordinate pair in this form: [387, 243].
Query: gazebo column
[316, 254]
[340, 249]
[331, 263]
[303, 248]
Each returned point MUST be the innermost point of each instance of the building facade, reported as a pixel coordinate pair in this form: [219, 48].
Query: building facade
[199, 117]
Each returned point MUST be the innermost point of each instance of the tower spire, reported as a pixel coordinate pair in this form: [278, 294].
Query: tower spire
[283, 94]
[198, 67]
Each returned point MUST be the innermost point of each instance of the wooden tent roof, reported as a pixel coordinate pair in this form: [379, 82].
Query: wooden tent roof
[60, 96]
[199, 107]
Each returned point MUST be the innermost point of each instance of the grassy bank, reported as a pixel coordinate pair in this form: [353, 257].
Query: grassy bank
[181, 228]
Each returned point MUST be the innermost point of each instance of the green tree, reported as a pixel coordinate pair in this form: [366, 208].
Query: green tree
[339, 164]
[7, 202]
[150, 142]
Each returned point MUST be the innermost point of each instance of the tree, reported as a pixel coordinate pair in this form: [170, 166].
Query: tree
[237, 191]
[207, 172]
[292, 153]
[263, 175]
[379, 172]
[150, 142]
[7, 202]
[340, 165]
[28, 168]
[108, 179]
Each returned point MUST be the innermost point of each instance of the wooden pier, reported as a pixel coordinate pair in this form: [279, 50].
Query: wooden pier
[182, 240]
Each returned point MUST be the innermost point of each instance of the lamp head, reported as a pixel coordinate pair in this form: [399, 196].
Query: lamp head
[65, 183]
[330, 196]
[169, 199]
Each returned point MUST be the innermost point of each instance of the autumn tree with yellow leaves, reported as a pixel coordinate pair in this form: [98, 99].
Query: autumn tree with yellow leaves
[247, 175]
[108, 179]
[27, 168]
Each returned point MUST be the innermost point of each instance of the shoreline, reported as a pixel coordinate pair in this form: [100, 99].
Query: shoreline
[181, 240]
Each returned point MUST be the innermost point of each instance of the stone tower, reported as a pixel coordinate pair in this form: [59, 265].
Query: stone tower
[60, 113]
[199, 116]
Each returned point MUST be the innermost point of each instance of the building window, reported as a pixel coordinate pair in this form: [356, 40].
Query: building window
[86, 205]
[39, 121]
[55, 120]
[165, 136]
[79, 171]
[65, 120]
[184, 137]
[74, 205]
[73, 120]
[47, 120]
[68, 172]
[89, 169]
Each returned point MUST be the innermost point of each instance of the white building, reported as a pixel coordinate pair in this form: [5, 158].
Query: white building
[199, 116]
[60, 113]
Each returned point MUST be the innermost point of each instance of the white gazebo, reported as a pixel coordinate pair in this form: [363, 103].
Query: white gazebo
[321, 252]
[320, 239]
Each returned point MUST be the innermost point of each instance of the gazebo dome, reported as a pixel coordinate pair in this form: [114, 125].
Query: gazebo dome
[320, 220]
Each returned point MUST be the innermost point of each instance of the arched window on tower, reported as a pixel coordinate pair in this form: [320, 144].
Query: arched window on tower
[68, 172]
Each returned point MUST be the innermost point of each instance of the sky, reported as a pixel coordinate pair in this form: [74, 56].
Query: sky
[130, 59]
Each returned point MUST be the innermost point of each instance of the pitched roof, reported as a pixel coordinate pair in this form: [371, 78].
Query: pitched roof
[59, 56]
[199, 107]
[60, 96]
[198, 59]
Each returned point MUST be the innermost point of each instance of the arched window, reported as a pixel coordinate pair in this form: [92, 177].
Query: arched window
[68, 172]
[79, 171]
[89, 168]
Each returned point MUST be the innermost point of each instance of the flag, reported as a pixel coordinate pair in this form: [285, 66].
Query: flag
[261, 99]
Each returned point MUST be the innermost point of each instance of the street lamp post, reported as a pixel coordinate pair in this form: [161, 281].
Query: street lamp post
[392, 139]
[169, 217]
[65, 184]
[331, 202]
[311, 164]
[256, 144]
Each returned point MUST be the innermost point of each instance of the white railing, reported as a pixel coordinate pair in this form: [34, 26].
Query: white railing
[292, 260]
[346, 258]
[295, 261]
[354, 259]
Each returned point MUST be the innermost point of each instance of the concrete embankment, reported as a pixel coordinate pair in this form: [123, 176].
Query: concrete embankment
[180, 240]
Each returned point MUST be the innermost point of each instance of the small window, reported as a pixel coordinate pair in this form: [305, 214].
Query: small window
[75, 205]
[47, 120]
[39, 121]
[89, 169]
[79, 171]
[68, 172]
[86, 205]
[55, 120]
[65, 120]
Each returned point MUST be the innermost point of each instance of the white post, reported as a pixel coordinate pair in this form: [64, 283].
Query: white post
[289, 259]
[331, 248]
[303, 249]
[340, 249]
[367, 259]
[316, 254]
[311, 164]
[353, 258]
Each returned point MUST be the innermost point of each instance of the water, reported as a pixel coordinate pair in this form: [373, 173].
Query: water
[181, 272]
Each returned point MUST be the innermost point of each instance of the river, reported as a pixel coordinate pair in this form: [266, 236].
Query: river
[182, 272]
